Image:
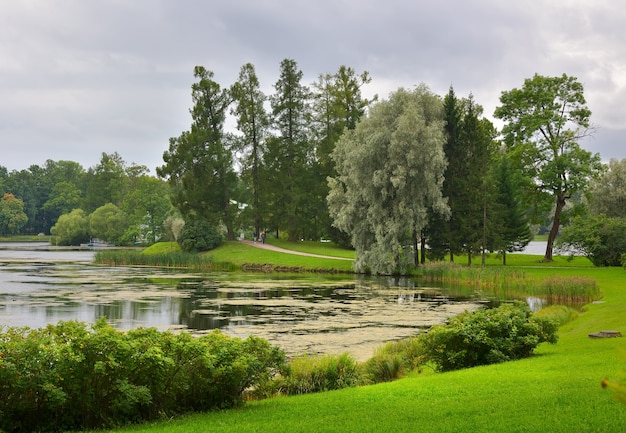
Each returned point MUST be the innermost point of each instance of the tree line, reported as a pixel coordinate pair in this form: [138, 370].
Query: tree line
[124, 203]
[414, 172]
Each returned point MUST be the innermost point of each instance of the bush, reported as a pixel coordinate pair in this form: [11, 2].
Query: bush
[599, 238]
[70, 377]
[487, 336]
[199, 235]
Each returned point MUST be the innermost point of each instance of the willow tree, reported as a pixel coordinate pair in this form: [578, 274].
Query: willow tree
[544, 122]
[389, 174]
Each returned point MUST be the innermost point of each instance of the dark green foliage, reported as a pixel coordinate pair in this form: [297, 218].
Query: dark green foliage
[511, 229]
[199, 235]
[487, 336]
[69, 377]
[601, 239]
[199, 163]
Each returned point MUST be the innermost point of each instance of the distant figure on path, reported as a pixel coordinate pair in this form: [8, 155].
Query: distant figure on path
[263, 237]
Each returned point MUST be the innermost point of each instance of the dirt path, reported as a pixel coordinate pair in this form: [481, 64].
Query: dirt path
[283, 250]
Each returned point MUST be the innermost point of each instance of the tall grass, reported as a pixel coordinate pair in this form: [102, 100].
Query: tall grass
[512, 283]
[177, 259]
[569, 290]
[310, 374]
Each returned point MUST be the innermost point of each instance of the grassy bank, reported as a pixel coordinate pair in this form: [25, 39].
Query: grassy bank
[558, 390]
[241, 255]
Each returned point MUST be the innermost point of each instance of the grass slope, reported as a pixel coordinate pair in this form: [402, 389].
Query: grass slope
[239, 254]
[558, 390]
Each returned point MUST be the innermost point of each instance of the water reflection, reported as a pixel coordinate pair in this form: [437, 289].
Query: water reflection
[302, 314]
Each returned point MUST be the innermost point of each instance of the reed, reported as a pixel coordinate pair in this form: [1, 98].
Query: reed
[569, 290]
[512, 283]
[174, 259]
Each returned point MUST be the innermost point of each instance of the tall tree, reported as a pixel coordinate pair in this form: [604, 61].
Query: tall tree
[147, 205]
[338, 105]
[477, 136]
[291, 148]
[106, 182]
[544, 121]
[443, 230]
[468, 149]
[253, 123]
[199, 163]
[390, 172]
[510, 227]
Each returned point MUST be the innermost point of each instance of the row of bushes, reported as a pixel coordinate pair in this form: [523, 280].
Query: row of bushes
[70, 376]
[483, 337]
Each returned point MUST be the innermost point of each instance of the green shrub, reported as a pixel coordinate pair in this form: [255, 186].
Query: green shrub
[308, 374]
[70, 377]
[199, 235]
[487, 336]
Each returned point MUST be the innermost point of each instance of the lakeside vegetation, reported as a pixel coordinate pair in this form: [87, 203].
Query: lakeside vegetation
[558, 390]
[501, 282]
[561, 383]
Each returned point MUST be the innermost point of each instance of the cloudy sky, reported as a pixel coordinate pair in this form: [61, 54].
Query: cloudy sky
[79, 78]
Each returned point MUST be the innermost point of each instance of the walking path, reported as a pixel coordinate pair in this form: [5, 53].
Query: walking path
[283, 250]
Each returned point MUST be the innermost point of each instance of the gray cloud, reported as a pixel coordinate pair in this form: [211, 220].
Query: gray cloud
[81, 78]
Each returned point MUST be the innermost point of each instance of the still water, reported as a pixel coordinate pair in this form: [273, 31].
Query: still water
[303, 314]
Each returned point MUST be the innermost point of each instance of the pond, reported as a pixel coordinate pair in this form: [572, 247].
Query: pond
[303, 314]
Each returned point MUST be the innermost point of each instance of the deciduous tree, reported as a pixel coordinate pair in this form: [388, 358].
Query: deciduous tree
[12, 215]
[390, 172]
[108, 223]
[71, 229]
[544, 122]
[608, 193]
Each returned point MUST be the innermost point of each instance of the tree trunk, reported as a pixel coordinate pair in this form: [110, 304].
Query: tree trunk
[556, 224]
[423, 250]
[416, 261]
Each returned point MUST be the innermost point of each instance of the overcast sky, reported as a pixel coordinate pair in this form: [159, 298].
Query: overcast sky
[78, 78]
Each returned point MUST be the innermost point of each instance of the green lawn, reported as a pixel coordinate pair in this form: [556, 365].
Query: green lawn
[557, 390]
[241, 254]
